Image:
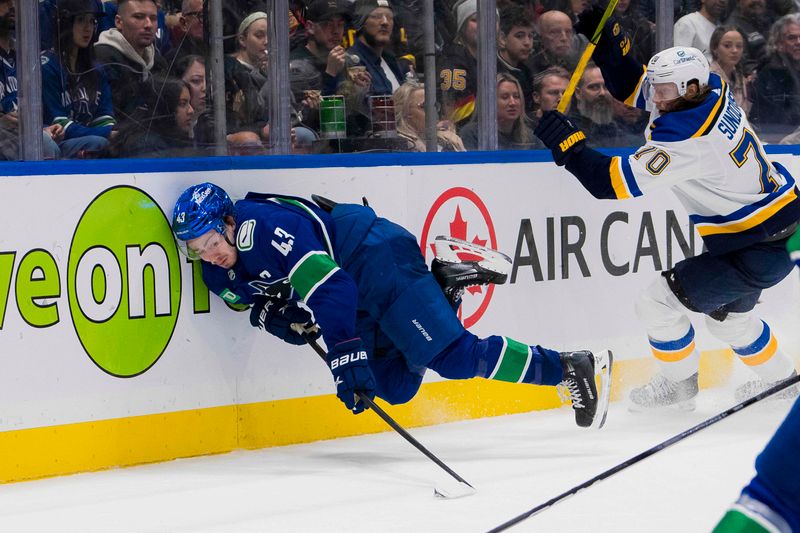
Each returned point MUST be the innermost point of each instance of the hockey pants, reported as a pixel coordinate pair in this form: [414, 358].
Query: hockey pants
[725, 288]
[407, 325]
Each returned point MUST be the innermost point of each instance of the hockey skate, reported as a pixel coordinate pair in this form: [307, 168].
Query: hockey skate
[751, 388]
[662, 392]
[460, 264]
[589, 400]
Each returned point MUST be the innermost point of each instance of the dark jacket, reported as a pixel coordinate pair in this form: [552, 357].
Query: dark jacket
[380, 83]
[776, 99]
[130, 80]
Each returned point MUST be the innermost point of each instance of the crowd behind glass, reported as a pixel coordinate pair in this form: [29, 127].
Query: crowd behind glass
[129, 78]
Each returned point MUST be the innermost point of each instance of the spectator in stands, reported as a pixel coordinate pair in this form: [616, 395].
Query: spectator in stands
[247, 91]
[640, 30]
[374, 22]
[559, 45]
[632, 123]
[776, 102]
[191, 24]
[727, 50]
[752, 17]
[9, 119]
[378, 73]
[325, 24]
[458, 66]
[163, 127]
[409, 103]
[75, 92]
[548, 88]
[514, 45]
[129, 55]
[163, 38]
[513, 128]
[592, 110]
[695, 29]
[47, 21]
[192, 70]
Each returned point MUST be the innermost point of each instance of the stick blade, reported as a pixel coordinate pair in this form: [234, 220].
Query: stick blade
[451, 491]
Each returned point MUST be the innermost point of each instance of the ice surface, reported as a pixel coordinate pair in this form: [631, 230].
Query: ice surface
[379, 483]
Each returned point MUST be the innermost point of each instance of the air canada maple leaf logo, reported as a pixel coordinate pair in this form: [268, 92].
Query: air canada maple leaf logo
[459, 212]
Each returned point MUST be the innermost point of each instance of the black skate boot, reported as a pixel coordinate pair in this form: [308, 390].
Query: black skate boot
[589, 401]
[662, 392]
[454, 274]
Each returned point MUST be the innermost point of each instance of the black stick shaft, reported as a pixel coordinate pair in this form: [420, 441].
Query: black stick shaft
[394, 425]
[647, 453]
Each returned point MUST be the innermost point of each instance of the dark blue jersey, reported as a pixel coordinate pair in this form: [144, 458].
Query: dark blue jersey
[286, 248]
[85, 110]
[8, 81]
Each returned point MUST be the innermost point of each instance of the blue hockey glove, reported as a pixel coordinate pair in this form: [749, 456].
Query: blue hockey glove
[351, 373]
[560, 135]
[277, 316]
[614, 43]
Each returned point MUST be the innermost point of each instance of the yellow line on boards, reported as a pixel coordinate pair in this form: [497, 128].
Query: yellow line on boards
[89, 446]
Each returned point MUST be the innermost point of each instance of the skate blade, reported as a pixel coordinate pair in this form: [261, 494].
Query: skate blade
[684, 406]
[603, 365]
[448, 248]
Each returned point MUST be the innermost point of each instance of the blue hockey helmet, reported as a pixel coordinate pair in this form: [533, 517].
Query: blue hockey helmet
[199, 209]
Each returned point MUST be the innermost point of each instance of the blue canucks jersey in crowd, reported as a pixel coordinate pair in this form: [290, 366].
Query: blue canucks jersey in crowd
[8, 81]
[88, 114]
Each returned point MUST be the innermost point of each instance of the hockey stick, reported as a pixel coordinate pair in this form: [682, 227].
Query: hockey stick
[587, 55]
[464, 488]
[647, 453]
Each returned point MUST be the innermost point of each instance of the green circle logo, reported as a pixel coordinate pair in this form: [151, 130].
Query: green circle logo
[124, 281]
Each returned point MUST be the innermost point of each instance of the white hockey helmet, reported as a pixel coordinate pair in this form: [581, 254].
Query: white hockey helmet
[679, 65]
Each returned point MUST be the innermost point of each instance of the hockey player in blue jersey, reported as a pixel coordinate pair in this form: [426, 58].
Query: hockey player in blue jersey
[700, 144]
[770, 503]
[383, 317]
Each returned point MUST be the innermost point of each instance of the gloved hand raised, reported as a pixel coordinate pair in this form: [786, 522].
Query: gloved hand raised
[614, 43]
[351, 373]
[277, 316]
[560, 135]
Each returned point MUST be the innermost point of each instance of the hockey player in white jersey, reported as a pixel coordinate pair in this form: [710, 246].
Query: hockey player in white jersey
[700, 145]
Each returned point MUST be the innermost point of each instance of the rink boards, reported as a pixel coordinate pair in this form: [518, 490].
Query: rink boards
[112, 351]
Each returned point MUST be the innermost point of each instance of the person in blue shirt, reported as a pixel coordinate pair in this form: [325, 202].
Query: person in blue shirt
[363, 280]
[75, 92]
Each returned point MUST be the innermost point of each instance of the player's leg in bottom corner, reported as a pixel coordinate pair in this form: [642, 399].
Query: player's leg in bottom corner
[584, 376]
[771, 501]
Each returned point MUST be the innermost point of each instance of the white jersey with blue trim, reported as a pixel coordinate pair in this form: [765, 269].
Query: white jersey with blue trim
[714, 162]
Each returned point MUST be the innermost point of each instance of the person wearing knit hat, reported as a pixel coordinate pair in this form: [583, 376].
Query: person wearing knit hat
[363, 10]
[458, 66]
[465, 10]
[374, 22]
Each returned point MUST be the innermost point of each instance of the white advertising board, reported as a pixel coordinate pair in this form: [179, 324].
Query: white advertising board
[104, 319]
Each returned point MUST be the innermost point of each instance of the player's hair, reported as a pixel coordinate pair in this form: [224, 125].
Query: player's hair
[514, 15]
[521, 133]
[558, 72]
[777, 30]
[682, 103]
